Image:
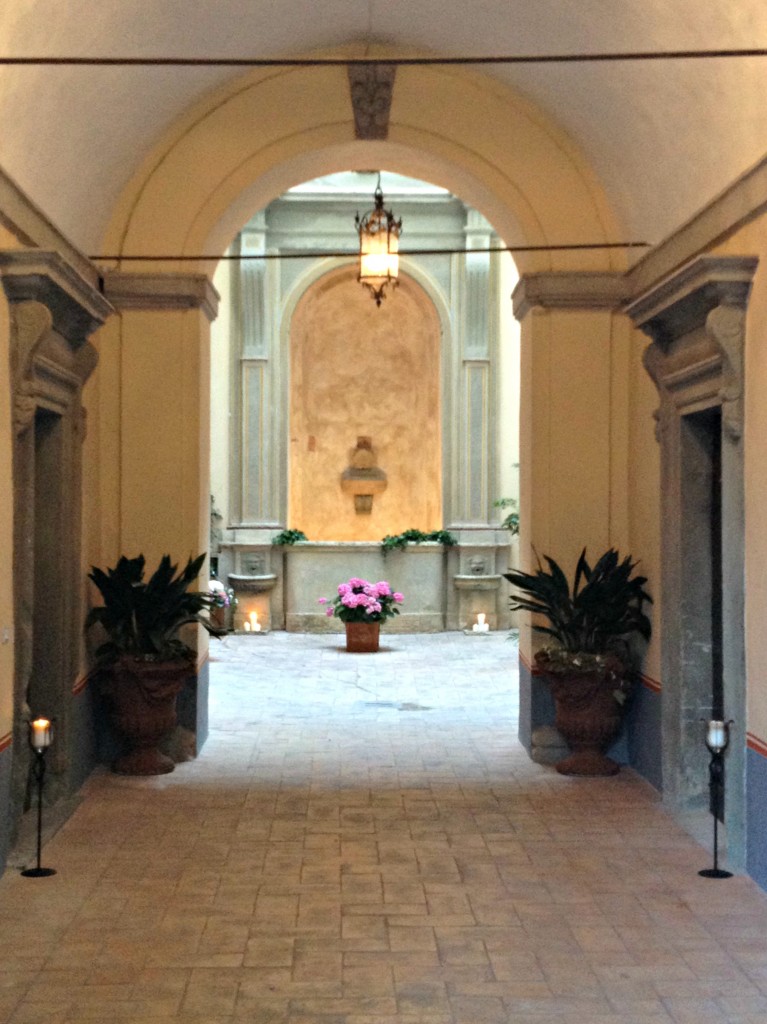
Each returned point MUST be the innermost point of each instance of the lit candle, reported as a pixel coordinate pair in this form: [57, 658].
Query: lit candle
[480, 626]
[716, 738]
[41, 733]
[246, 626]
[255, 625]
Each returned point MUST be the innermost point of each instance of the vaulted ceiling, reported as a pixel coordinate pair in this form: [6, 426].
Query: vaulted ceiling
[664, 136]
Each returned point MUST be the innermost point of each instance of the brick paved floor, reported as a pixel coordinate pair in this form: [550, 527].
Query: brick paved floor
[363, 841]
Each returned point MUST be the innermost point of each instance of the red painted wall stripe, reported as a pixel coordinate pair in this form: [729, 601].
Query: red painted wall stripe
[79, 685]
[652, 684]
[755, 744]
[5, 742]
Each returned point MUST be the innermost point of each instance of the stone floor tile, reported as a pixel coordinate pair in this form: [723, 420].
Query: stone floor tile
[352, 849]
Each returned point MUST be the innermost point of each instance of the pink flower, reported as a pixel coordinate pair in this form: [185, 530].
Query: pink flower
[355, 581]
[399, 598]
[349, 600]
[328, 611]
[383, 589]
[322, 600]
[344, 588]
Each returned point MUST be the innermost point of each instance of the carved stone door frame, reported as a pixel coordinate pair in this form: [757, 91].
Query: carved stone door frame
[53, 310]
[696, 320]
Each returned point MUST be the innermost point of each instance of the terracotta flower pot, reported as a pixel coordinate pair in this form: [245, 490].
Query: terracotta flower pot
[589, 718]
[143, 696]
[362, 637]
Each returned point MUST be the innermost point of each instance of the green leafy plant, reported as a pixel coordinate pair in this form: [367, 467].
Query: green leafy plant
[142, 618]
[594, 621]
[289, 537]
[511, 521]
[400, 541]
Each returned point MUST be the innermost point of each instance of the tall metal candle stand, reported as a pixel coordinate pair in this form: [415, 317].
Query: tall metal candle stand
[717, 740]
[40, 738]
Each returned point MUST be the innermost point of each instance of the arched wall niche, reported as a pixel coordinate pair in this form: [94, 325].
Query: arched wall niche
[357, 371]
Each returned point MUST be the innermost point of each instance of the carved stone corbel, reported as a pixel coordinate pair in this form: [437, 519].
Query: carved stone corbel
[30, 321]
[726, 326]
[371, 87]
[24, 405]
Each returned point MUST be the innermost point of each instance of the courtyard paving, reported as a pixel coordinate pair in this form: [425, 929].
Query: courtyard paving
[363, 841]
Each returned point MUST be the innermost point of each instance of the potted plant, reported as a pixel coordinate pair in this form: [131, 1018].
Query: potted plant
[143, 663]
[590, 664]
[223, 604]
[362, 607]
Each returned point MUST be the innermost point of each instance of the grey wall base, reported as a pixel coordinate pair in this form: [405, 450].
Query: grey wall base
[644, 735]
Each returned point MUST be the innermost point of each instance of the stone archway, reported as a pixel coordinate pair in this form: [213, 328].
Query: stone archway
[212, 172]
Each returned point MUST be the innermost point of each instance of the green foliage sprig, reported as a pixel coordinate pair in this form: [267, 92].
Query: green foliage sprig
[511, 522]
[400, 541]
[289, 537]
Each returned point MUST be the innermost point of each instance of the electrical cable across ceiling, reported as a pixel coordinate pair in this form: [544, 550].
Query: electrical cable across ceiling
[313, 254]
[321, 62]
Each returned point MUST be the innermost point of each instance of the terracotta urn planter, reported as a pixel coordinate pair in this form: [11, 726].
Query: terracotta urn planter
[143, 698]
[589, 718]
[362, 637]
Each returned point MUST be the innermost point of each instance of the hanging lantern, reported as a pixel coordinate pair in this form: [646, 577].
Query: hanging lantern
[379, 247]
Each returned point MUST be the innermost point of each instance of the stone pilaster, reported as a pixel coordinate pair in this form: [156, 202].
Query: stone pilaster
[475, 401]
[259, 491]
[159, 362]
[573, 473]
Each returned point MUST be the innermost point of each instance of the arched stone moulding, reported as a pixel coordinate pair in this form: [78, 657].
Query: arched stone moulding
[696, 320]
[249, 141]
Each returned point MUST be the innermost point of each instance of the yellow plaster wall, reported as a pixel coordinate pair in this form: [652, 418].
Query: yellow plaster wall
[574, 374]
[752, 241]
[358, 370]
[6, 529]
[164, 442]
[101, 541]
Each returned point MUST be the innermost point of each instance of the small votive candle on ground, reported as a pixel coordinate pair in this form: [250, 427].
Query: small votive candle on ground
[40, 736]
[480, 626]
[246, 626]
[254, 625]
